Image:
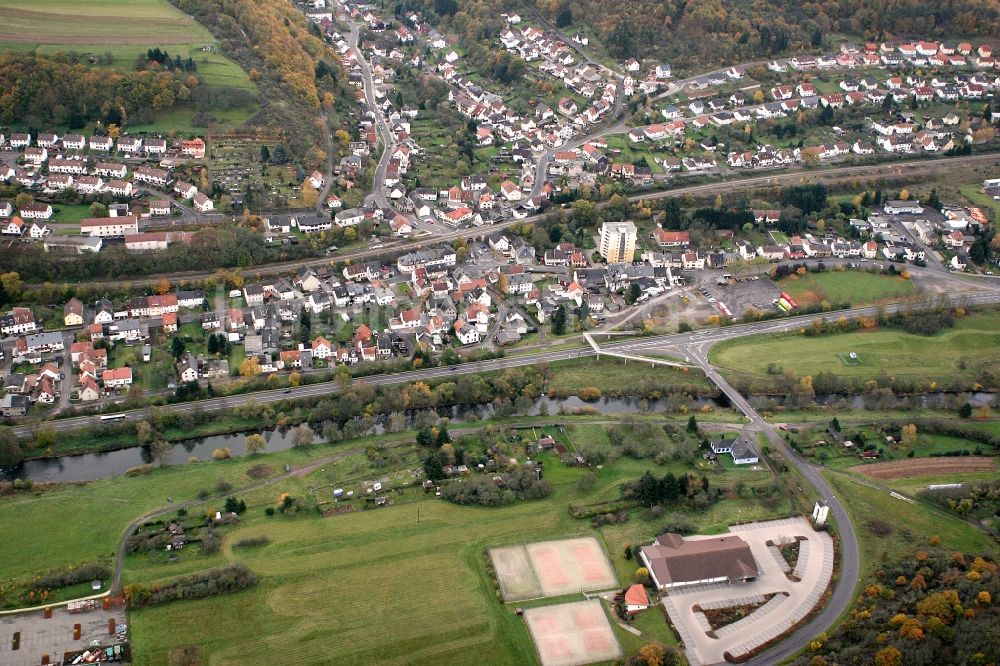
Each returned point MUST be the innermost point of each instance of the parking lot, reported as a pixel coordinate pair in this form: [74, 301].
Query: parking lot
[739, 294]
[793, 599]
[53, 636]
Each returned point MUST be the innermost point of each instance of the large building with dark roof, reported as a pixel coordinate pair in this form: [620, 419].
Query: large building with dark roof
[673, 561]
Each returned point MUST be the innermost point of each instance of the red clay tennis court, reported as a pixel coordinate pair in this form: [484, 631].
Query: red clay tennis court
[572, 634]
[571, 565]
[552, 568]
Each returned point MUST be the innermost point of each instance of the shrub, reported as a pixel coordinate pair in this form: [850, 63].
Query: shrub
[260, 471]
[252, 542]
[589, 394]
[223, 580]
[879, 527]
[222, 453]
[67, 577]
[210, 543]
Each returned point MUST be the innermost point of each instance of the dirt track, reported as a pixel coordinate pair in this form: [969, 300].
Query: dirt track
[901, 469]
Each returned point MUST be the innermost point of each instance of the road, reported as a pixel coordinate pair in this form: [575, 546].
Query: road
[381, 126]
[850, 553]
[919, 167]
[631, 345]
[328, 180]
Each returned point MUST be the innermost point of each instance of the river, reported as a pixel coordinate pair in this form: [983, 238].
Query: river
[103, 464]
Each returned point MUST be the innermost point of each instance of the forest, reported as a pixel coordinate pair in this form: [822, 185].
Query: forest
[932, 607]
[692, 32]
[42, 91]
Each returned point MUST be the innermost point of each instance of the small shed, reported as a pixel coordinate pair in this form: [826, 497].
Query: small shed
[636, 599]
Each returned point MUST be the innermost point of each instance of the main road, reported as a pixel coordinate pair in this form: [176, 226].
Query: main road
[632, 345]
[918, 167]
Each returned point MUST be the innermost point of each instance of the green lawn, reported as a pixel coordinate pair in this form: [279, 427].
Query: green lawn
[855, 287]
[181, 118]
[913, 525]
[123, 28]
[426, 577]
[70, 214]
[961, 352]
[914, 484]
[614, 376]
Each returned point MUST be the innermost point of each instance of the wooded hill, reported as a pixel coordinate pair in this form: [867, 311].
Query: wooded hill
[698, 32]
[295, 69]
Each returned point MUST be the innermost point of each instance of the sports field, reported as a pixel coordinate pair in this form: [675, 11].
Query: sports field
[515, 574]
[963, 351]
[853, 287]
[572, 634]
[122, 28]
[552, 568]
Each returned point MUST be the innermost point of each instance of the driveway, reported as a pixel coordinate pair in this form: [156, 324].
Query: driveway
[793, 600]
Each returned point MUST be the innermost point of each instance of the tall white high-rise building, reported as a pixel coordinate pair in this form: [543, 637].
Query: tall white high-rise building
[618, 241]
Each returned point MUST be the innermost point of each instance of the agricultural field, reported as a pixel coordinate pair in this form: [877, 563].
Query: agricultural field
[959, 353]
[122, 28]
[854, 287]
[901, 469]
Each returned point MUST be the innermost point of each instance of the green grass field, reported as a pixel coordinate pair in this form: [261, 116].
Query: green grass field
[332, 586]
[122, 28]
[913, 525]
[957, 353]
[612, 375]
[853, 287]
[329, 584]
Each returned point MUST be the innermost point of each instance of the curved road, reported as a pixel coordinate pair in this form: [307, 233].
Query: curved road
[633, 345]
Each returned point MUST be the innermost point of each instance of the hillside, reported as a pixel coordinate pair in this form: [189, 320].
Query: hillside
[688, 32]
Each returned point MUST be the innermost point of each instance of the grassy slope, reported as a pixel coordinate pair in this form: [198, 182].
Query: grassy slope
[846, 287]
[892, 352]
[612, 375]
[866, 504]
[123, 28]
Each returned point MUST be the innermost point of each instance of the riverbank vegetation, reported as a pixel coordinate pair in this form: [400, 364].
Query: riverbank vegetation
[352, 407]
